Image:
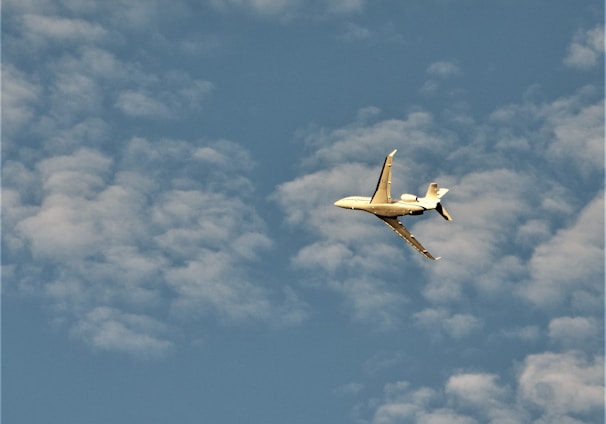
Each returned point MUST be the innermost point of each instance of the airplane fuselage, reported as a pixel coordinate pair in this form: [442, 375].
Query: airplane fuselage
[393, 209]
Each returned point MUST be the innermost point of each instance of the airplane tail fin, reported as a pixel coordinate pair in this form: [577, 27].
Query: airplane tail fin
[434, 193]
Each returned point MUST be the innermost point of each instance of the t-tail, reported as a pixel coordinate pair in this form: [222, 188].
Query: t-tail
[435, 194]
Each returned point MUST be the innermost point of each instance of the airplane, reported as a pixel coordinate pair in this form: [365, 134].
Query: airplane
[388, 210]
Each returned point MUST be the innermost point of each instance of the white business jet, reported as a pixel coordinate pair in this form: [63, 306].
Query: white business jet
[388, 210]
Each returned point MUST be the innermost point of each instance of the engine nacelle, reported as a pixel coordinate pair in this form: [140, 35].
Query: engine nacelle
[410, 198]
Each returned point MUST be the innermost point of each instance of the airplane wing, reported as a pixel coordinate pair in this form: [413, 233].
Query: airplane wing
[401, 230]
[383, 192]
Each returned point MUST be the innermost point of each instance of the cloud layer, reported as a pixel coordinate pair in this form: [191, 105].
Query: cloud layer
[125, 245]
[550, 387]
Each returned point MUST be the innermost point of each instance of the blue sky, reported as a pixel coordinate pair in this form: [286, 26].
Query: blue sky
[170, 248]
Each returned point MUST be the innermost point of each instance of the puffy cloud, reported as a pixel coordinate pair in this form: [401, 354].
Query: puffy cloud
[563, 384]
[569, 266]
[40, 29]
[550, 387]
[586, 48]
[19, 99]
[568, 130]
[109, 329]
[579, 136]
[501, 241]
[456, 326]
[119, 241]
[477, 389]
[135, 103]
[575, 332]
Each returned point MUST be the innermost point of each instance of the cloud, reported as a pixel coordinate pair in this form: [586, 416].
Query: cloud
[455, 326]
[19, 100]
[355, 32]
[438, 72]
[476, 389]
[153, 228]
[579, 137]
[261, 7]
[41, 29]
[288, 9]
[575, 332]
[527, 333]
[76, 84]
[108, 329]
[488, 194]
[586, 48]
[513, 232]
[550, 387]
[563, 384]
[569, 266]
[177, 94]
[135, 103]
[443, 69]
[567, 130]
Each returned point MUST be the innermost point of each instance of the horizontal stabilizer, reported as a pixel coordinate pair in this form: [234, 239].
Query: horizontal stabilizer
[442, 211]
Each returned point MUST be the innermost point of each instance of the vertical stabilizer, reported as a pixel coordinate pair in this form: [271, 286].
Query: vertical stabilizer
[432, 192]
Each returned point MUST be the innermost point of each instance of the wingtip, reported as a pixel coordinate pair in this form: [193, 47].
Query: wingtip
[394, 152]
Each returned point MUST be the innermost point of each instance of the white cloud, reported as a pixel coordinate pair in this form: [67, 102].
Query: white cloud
[136, 103]
[574, 332]
[568, 130]
[455, 326]
[355, 32]
[586, 48]
[40, 29]
[563, 384]
[550, 387]
[74, 95]
[108, 329]
[527, 333]
[443, 69]
[507, 211]
[121, 241]
[472, 244]
[19, 100]
[569, 267]
[359, 143]
[288, 9]
[211, 285]
[350, 389]
[174, 94]
[579, 136]
[261, 7]
[476, 389]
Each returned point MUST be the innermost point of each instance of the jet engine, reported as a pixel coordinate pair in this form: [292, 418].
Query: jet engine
[410, 198]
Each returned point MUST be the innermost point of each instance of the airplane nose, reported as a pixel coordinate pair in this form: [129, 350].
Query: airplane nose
[339, 203]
